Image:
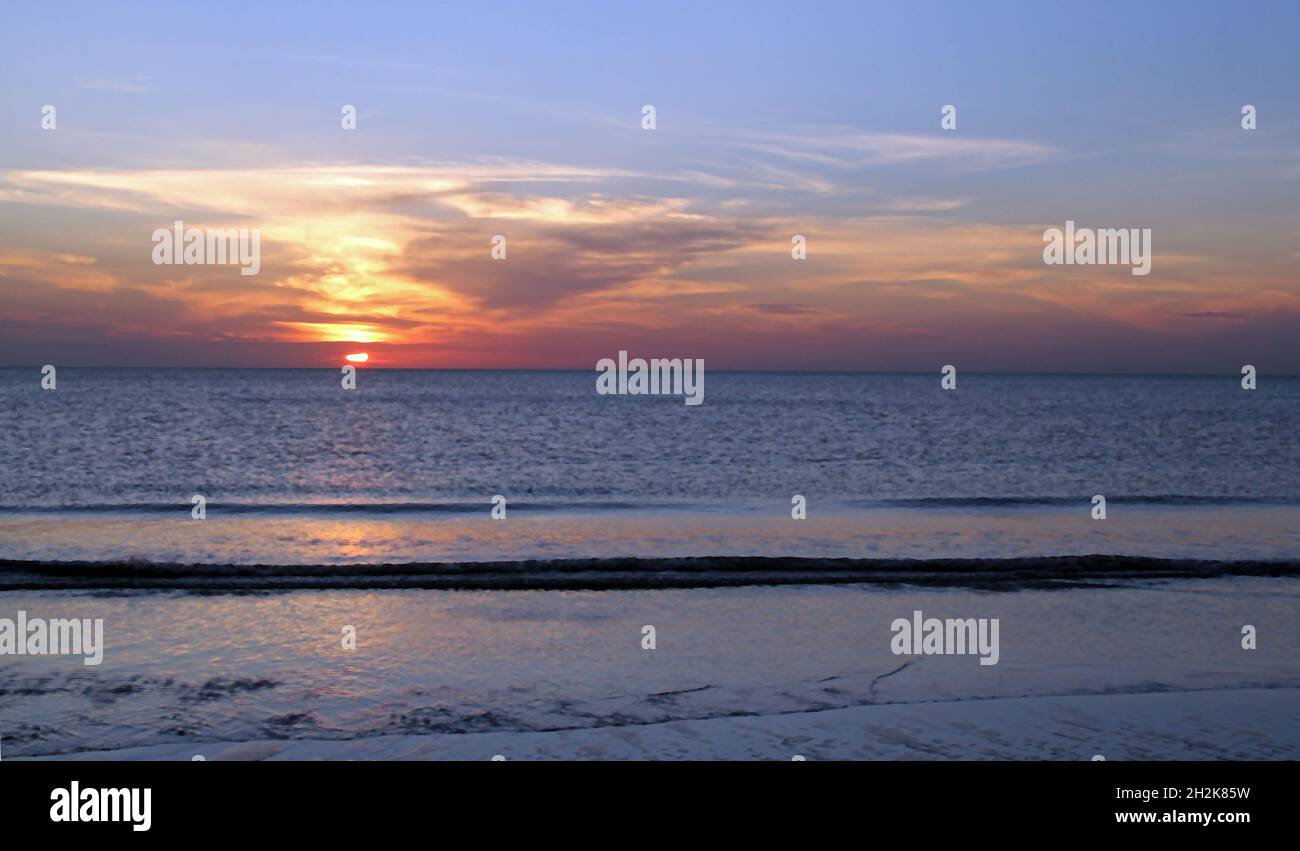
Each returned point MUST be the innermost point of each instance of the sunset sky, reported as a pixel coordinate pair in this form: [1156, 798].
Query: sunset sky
[773, 119]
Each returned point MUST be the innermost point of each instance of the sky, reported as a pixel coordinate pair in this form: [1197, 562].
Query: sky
[924, 246]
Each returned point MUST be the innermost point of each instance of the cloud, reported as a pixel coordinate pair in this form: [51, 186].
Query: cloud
[549, 262]
[591, 210]
[300, 190]
[398, 257]
[783, 309]
[137, 85]
[845, 148]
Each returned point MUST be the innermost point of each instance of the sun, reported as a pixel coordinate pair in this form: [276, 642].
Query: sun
[358, 357]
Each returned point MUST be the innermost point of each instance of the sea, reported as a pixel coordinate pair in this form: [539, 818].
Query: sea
[293, 469]
[497, 541]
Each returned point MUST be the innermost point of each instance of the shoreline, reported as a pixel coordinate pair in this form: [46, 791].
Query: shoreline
[1008, 574]
[381, 667]
[1213, 724]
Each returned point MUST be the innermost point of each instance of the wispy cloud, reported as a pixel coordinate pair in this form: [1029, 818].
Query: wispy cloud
[844, 148]
[136, 85]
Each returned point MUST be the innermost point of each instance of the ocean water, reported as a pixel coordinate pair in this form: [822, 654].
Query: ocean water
[296, 470]
[324, 508]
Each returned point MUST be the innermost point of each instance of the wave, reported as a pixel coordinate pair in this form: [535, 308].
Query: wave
[281, 508]
[627, 573]
[1035, 501]
[596, 506]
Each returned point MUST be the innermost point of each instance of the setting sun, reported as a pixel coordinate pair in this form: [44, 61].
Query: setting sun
[358, 357]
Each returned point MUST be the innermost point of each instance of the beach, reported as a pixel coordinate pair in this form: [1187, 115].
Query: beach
[1234, 724]
[605, 381]
[1137, 669]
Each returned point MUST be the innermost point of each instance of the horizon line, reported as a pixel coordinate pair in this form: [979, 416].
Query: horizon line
[1067, 373]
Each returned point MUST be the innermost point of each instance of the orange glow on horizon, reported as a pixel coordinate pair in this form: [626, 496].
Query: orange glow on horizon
[358, 357]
